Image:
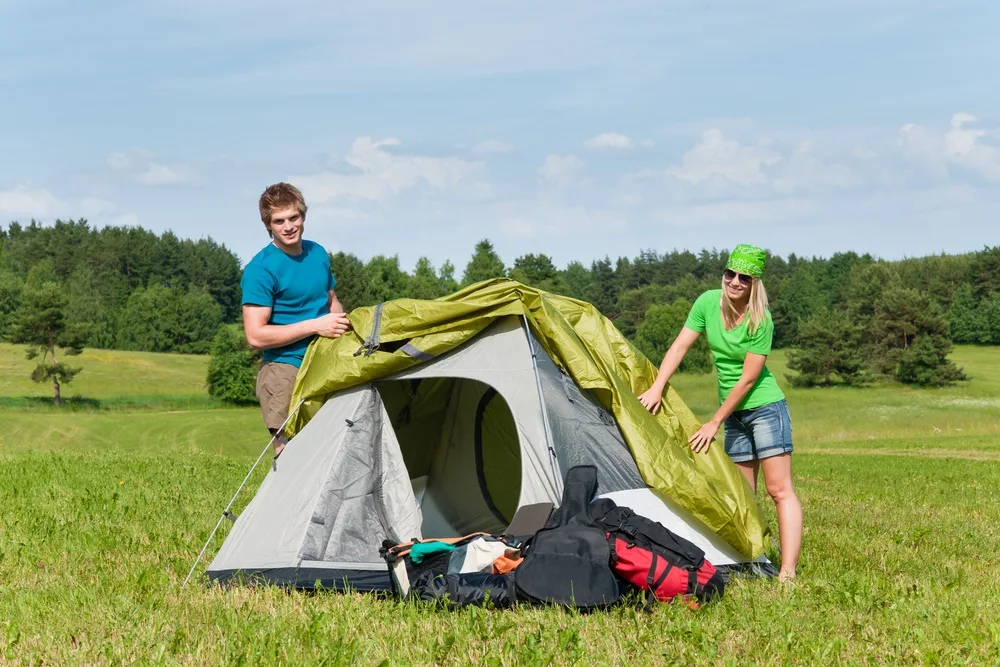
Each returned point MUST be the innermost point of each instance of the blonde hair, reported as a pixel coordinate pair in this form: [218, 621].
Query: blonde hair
[756, 307]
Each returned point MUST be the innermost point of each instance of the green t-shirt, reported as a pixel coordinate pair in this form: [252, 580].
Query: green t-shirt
[730, 348]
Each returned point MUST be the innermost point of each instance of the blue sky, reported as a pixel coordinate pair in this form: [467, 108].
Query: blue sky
[577, 129]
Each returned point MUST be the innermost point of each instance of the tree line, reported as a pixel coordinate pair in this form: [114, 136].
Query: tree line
[849, 318]
[124, 287]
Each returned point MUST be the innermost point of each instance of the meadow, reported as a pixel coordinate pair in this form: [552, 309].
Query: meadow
[104, 504]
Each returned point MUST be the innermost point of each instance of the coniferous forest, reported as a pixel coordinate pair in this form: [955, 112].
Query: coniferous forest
[847, 318]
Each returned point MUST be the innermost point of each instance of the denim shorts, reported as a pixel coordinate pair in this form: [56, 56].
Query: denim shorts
[759, 433]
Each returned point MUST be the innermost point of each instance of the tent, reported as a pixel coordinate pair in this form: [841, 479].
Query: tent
[440, 418]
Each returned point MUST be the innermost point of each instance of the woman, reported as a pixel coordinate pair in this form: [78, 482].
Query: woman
[758, 436]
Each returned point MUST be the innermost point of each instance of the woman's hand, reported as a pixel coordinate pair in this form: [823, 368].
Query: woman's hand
[702, 440]
[651, 399]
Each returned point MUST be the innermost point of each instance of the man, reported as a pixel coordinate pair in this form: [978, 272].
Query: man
[288, 300]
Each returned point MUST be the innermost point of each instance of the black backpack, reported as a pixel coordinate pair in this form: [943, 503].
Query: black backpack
[568, 561]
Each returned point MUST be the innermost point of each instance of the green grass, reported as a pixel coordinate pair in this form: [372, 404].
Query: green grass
[103, 511]
[108, 374]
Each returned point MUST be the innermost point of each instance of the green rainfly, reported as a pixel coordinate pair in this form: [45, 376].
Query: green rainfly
[586, 346]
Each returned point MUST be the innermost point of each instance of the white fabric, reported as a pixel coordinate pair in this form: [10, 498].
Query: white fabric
[479, 556]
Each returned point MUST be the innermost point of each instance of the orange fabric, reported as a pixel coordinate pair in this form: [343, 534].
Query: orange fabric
[507, 563]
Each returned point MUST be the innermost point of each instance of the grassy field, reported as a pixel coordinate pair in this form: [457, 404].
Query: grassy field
[104, 507]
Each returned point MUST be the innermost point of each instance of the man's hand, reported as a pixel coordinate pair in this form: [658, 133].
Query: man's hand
[332, 325]
[702, 440]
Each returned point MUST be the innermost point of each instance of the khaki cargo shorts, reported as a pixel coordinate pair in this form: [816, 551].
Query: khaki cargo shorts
[275, 381]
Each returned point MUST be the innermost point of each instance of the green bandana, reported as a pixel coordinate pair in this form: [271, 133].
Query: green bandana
[747, 259]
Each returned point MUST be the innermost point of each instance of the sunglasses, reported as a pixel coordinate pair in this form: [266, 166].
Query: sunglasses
[745, 280]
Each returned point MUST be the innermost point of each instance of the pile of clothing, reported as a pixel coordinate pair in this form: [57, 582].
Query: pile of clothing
[590, 554]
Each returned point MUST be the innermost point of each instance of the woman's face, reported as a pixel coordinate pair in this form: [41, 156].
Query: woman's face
[737, 285]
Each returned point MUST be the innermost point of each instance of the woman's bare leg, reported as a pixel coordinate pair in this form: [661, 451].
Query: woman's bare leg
[778, 479]
[749, 470]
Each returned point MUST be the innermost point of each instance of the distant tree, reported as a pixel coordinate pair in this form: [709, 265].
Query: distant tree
[925, 362]
[634, 305]
[968, 320]
[164, 319]
[864, 301]
[353, 287]
[984, 271]
[538, 271]
[41, 273]
[834, 277]
[10, 300]
[424, 283]
[385, 279]
[658, 330]
[484, 264]
[41, 325]
[990, 309]
[149, 320]
[579, 282]
[232, 368]
[903, 318]
[792, 301]
[606, 288]
[828, 347]
[446, 278]
[199, 318]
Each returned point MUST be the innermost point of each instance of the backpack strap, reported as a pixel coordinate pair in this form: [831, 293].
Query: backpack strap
[693, 584]
[663, 577]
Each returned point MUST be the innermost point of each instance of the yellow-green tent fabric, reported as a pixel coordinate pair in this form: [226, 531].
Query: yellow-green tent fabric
[402, 333]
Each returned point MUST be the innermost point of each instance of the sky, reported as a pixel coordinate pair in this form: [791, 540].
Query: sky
[575, 129]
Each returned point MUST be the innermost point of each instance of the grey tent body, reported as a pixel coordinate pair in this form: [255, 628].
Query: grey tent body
[449, 447]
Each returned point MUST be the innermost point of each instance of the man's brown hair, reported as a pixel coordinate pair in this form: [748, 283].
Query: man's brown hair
[280, 195]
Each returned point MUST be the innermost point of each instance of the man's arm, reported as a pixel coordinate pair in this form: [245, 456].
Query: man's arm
[262, 336]
[335, 306]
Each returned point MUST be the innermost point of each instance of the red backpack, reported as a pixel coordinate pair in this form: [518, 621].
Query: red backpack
[653, 559]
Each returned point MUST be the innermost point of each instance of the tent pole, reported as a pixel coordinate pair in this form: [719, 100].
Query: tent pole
[554, 460]
[225, 512]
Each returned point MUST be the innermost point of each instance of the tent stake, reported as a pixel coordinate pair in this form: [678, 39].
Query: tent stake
[225, 512]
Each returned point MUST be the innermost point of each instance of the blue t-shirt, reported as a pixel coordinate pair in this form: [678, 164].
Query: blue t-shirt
[294, 287]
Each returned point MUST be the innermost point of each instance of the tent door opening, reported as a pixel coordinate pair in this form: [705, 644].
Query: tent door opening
[460, 446]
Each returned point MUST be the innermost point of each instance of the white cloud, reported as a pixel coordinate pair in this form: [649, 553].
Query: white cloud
[774, 211]
[614, 141]
[804, 170]
[543, 219]
[561, 169]
[119, 161]
[40, 203]
[965, 145]
[381, 174]
[159, 174]
[715, 156]
[492, 147]
[140, 165]
[30, 201]
[95, 206]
